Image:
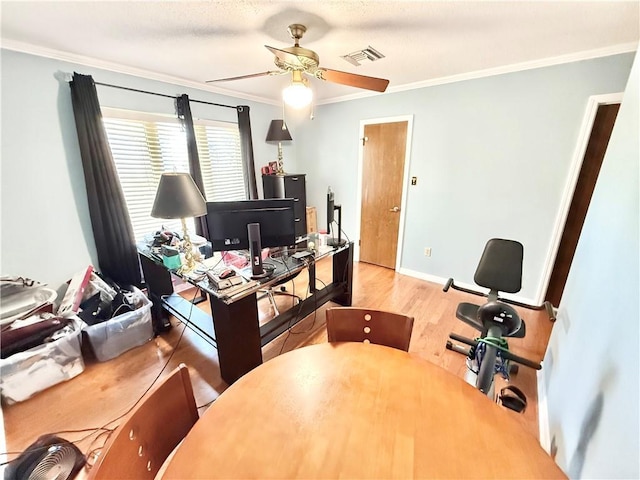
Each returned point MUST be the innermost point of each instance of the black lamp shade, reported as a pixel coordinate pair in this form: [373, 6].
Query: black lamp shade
[178, 197]
[276, 133]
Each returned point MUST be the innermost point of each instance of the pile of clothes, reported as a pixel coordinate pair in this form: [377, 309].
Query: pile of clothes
[42, 339]
[27, 317]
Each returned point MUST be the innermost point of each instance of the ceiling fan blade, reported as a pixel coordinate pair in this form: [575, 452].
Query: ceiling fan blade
[353, 80]
[285, 56]
[253, 75]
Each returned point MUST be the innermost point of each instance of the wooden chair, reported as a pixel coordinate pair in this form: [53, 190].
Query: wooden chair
[150, 432]
[353, 324]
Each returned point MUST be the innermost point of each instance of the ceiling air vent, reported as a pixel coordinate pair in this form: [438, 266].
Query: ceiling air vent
[368, 53]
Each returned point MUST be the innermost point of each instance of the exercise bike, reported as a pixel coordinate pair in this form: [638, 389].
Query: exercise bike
[499, 270]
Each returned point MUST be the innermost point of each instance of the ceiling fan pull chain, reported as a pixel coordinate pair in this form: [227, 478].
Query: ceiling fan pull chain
[284, 119]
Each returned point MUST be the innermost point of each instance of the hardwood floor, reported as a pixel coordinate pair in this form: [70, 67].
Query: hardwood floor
[105, 391]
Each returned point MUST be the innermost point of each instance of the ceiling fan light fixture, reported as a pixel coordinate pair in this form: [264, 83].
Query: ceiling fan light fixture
[298, 94]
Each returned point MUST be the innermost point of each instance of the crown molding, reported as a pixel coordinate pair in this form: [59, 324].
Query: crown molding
[127, 70]
[489, 72]
[138, 72]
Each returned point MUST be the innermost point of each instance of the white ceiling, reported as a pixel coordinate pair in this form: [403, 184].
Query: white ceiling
[424, 42]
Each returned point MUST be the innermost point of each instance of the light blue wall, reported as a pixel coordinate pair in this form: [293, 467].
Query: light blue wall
[491, 155]
[592, 365]
[46, 232]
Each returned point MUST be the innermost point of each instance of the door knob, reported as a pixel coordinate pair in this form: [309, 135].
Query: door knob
[394, 209]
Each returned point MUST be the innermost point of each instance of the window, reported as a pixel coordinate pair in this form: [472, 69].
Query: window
[144, 146]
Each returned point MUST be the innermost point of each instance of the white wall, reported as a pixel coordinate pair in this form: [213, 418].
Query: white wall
[46, 231]
[592, 365]
[491, 156]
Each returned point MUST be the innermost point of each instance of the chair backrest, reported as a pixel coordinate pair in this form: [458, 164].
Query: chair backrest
[500, 267]
[353, 324]
[149, 433]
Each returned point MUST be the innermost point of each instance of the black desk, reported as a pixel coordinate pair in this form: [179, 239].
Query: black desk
[236, 331]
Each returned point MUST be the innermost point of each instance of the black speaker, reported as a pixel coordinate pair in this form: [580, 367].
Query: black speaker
[255, 250]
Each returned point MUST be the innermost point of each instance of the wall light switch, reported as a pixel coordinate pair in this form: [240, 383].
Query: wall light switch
[414, 180]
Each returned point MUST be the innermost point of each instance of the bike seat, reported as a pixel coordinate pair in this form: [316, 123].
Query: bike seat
[501, 315]
[468, 313]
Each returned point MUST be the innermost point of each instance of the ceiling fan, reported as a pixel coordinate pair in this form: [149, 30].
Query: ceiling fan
[299, 60]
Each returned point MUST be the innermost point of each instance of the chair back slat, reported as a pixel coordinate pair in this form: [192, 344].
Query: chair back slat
[150, 432]
[354, 324]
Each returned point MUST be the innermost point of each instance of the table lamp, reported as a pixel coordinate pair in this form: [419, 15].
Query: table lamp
[179, 197]
[278, 132]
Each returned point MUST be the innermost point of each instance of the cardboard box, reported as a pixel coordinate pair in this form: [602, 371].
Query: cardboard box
[123, 332]
[312, 220]
[24, 374]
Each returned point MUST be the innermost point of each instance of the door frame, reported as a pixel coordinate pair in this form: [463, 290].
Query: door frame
[405, 180]
[584, 135]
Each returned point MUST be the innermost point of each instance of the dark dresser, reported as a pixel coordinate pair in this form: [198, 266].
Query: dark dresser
[289, 186]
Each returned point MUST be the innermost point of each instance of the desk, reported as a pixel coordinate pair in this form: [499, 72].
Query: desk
[235, 328]
[354, 410]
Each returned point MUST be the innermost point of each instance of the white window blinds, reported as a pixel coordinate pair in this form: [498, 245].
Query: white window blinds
[220, 161]
[144, 146]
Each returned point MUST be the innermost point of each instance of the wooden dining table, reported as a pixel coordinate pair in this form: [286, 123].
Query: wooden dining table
[355, 410]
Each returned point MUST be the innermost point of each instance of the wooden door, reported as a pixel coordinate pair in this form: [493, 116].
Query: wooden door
[593, 156]
[384, 152]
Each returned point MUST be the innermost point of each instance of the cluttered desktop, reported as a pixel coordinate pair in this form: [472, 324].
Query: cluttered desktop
[229, 274]
[252, 246]
[251, 243]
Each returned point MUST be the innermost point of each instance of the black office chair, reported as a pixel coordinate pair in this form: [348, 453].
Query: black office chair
[272, 290]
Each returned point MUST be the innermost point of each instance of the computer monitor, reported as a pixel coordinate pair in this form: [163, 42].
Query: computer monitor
[227, 223]
[331, 208]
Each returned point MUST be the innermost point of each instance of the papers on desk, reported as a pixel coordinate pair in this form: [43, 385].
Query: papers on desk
[212, 262]
[237, 289]
[245, 273]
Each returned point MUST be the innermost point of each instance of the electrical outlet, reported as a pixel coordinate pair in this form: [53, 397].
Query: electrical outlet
[427, 252]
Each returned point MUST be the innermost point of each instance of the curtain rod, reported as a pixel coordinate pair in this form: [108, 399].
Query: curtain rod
[167, 96]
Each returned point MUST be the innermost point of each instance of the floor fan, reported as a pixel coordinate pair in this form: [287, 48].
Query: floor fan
[49, 457]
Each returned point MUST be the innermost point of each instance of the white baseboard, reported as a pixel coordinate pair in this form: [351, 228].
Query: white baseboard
[543, 413]
[422, 276]
[468, 286]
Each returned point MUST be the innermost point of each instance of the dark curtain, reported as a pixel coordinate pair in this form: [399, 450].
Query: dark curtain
[246, 147]
[184, 113]
[112, 231]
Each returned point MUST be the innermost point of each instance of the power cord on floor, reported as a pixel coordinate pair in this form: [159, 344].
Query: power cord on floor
[315, 313]
[296, 317]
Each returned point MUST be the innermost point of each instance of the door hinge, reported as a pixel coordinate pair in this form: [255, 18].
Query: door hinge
[364, 140]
